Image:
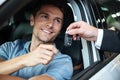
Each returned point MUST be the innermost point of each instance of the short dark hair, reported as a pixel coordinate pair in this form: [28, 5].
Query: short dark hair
[57, 3]
[61, 4]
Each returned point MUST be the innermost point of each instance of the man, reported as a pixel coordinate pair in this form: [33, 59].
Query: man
[106, 40]
[38, 59]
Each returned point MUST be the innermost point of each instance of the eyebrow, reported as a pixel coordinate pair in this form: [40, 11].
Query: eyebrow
[48, 14]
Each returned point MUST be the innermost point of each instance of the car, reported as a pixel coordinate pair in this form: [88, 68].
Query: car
[89, 63]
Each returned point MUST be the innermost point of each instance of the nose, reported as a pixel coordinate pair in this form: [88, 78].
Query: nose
[50, 23]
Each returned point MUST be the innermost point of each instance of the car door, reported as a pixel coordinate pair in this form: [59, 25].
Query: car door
[98, 65]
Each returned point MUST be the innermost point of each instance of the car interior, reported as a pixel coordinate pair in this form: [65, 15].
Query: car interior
[87, 60]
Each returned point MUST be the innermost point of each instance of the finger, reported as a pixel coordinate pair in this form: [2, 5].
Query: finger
[47, 53]
[46, 57]
[74, 37]
[50, 47]
[74, 31]
[46, 61]
[43, 61]
[73, 25]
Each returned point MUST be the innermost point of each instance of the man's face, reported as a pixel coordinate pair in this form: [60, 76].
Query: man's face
[47, 23]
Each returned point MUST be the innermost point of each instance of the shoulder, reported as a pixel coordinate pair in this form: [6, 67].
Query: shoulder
[13, 43]
[11, 49]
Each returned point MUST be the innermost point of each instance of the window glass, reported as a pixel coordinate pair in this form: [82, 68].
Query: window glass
[111, 11]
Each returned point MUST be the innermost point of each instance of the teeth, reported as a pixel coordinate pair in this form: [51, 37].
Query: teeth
[46, 31]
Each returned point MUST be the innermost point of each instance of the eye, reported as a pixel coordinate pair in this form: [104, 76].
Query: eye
[58, 21]
[44, 16]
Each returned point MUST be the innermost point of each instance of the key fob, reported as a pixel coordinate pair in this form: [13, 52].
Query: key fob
[67, 40]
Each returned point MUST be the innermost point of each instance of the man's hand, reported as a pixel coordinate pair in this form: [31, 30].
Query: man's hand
[84, 30]
[43, 54]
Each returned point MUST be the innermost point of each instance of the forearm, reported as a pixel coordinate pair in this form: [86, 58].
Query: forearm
[10, 66]
[7, 77]
[111, 41]
[41, 77]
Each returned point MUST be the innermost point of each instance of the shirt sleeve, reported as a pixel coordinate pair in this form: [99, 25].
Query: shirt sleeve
[4, 49]
[61, 68]
[98, 42]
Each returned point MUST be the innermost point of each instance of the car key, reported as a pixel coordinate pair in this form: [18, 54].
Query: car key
[67, 40]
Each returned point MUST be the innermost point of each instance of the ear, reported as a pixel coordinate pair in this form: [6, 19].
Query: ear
[31, 20]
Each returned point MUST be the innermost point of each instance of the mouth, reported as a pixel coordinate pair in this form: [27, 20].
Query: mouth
[47, 31]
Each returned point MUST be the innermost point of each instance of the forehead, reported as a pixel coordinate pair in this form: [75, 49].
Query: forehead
[50, 5]
[51, 9]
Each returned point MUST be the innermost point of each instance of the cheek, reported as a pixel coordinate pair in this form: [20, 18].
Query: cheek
[58, 29]
[38, 24]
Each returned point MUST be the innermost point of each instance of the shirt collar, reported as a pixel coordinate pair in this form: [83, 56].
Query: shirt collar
[27, 45]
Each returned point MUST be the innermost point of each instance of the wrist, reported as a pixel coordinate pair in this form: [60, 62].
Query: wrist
[22, 61]
[98, 42]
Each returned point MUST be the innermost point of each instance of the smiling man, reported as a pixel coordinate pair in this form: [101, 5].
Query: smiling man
[38, 59]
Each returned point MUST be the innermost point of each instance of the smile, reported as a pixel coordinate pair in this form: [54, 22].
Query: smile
[46, 31]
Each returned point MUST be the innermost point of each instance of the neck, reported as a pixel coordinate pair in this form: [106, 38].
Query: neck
[35, 43]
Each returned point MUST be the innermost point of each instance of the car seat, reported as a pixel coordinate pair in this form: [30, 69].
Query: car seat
[21, 26]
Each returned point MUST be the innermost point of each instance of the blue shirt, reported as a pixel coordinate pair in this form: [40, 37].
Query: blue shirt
[60, 68]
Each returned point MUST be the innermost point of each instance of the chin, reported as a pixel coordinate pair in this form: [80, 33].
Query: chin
[47, 40]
